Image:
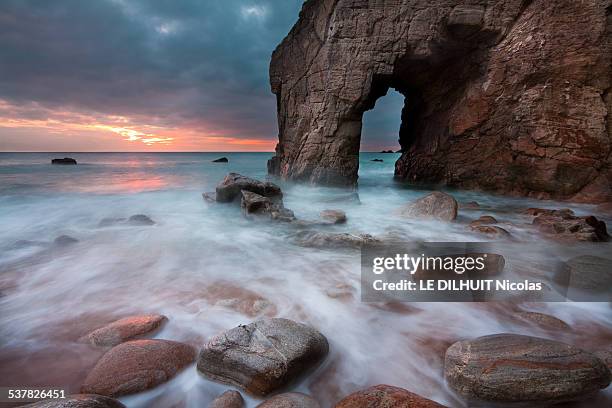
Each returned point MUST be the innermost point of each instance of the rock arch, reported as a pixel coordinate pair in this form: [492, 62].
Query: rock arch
[504, 95]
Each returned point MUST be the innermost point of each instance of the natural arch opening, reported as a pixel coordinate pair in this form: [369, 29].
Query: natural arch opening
[380, 127]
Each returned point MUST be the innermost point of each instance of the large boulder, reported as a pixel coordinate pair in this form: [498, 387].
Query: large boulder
[78, 401]
[229, 399]
[136, 366]
[124, 329]
[230, 187]
[253, 204]
[386, 396]
[505, 368]
[436, 205]
[263, 356]
[290, 400]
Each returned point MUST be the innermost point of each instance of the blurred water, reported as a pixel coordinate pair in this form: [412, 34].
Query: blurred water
[49, 297]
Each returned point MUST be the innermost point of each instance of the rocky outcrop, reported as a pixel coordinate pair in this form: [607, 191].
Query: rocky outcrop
[263, 356]
[221, 160]
[124, 329]
[437, 205]
[386, 396]
[253, 204]
[136, 366]
[333, 216]
[503, 95]
[565, 226]
[65, 160]
[506, 368]
[230, 188]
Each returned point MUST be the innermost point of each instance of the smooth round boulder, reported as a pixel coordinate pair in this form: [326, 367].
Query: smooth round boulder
[508, 368]
[263, 356]
[124, 329]
[386, 396]
[290, 400]
[78, 401]
[437, 205]
[137, 365]
[229, 399]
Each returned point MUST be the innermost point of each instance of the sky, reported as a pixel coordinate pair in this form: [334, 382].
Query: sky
[142, 75]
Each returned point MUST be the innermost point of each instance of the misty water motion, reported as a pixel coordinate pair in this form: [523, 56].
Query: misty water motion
[208, 269]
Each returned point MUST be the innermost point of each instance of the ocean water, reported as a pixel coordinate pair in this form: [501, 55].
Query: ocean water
[209, 269]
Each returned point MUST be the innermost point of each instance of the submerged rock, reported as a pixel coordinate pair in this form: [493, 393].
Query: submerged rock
[436, 205]
[124, 329]
[110, 221]
[65, 240]
[491, 230]
[484, 220]
[333, 216]
[230, 187]
[65, 160]
[386, 396]
[240, 299]
[136, 366]
[210, 197]
[78, 401]
[506, 368]
[140, 219]
[221, 160]
[317, 239]
[263, 356]
[290, 400]
[229, 399]
[258, 205]
[565, 225]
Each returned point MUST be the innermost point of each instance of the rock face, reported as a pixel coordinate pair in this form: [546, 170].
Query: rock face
[136, 366]
[263, 356]
[65, 160]
[290, 400]
[503, 95]
[229, 399]
[230, 187]
[79, 401]
[124, 329]
[437, 205]
[513, 368]
[386, 396]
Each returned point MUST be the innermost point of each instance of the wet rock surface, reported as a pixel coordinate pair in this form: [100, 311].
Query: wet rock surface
[484, 220]
[386, 396]
[333, 216]
[242, 300]
[229, 399]
[124, 329]
[491, 231]
[543, 321]
[513, 368]
[253, 204]
[290, 400]
[263, 356]
[436, 205]
[540, 129]
[317, 239]
[137, 365]
[79, 401]
[229, 189]
[565, 225]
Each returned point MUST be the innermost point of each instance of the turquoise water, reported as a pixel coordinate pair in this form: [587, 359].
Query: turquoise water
[51, 297]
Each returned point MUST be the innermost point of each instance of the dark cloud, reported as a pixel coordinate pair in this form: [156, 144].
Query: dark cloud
[176, 61]
[172, 62]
